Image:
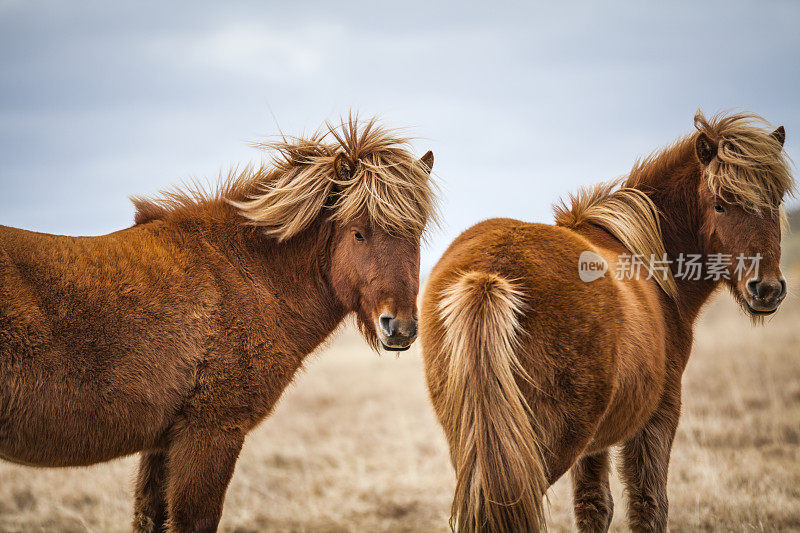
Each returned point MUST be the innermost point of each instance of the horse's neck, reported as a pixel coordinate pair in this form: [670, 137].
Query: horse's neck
[294, 272]
[674, 191]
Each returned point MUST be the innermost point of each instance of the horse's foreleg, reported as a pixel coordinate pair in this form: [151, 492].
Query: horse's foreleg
[645, 461]
[200, 464]
[150, 504]
[593, 504]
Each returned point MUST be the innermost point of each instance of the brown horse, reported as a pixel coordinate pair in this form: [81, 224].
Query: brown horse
[175, 337]
[534, 371]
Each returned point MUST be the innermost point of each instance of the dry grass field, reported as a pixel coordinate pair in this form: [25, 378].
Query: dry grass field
[354, 446]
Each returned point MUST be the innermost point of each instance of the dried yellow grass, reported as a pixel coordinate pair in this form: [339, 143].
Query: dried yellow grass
[355, 446]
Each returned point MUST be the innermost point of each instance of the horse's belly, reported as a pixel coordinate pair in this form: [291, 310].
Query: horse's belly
[58, 416]
[65, 442]
[637, 394]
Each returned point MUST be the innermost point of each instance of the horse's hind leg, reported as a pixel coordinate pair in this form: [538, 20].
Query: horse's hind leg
[150, 505]
[591, 493]
[200, 463]
[645, 461]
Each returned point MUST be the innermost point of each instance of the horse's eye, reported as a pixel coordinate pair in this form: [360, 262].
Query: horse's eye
[718, 208]
[358, 236]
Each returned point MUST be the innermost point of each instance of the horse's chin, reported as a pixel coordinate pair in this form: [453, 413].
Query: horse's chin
[757, 316]
[395, 348]
[755, 313]
[760, 312]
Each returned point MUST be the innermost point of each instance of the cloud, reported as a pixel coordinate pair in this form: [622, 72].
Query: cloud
[250, 49]
[521, 103]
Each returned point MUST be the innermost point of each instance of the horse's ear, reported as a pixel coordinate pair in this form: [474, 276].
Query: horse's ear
[705, 149]
[427, 161]
[780, 135]
[343, 167]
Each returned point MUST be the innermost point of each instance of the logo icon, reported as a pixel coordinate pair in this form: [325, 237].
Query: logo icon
[591, 266]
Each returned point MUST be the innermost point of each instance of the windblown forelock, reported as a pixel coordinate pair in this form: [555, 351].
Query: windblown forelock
[388, 184]
[750, 169]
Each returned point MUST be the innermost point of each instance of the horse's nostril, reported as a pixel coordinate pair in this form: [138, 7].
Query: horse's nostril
[767, 290]
[771, 290]
[386, 323]
[752, 287]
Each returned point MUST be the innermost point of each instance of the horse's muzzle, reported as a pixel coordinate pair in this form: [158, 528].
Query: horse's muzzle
[764, 296]
[395, 334]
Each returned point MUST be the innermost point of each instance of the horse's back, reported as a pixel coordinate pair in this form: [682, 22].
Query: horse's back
[543, 261]
[99, 337]
[105, 294]
[23, 327]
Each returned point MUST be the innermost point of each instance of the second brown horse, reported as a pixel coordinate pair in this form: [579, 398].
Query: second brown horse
[534, 371]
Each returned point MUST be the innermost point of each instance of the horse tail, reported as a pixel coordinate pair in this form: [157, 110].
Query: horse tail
[496, 452]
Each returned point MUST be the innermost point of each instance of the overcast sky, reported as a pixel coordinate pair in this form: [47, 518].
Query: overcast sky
[520, 103]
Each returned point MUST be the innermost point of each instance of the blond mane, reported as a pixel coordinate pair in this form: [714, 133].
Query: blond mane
[750, 168]
[388, 184]
[628, 214]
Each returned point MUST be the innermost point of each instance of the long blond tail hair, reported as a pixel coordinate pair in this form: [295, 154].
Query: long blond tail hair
[495, 450]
